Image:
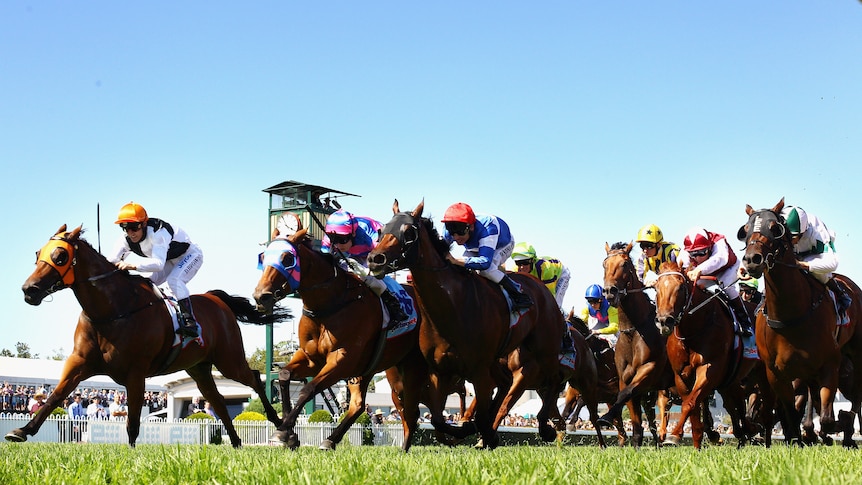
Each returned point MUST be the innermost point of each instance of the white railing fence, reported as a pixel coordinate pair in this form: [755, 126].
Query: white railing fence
[63, 429]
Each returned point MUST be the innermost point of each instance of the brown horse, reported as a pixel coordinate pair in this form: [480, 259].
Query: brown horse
[125, 331]
[341, 336]
[796, 331]
[472, 315]
[640, 353]
[700, 351]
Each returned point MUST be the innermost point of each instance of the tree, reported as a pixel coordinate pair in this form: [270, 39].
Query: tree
[6, 353]
[23, 351]
[282, 352]
[58, 354]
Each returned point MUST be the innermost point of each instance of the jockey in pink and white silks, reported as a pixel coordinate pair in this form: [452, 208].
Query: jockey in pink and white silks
[355, 237]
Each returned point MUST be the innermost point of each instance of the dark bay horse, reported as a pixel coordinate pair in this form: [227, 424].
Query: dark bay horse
[796, 330]
[700, 351]
[640, 352]
[125, 331]
[472, 315]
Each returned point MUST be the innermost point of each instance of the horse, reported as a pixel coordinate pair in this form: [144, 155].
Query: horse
[472, 315]
[640, 353]
[341, 336]
[125, 331]
[796, 330]
[700, 351]
[607, 378]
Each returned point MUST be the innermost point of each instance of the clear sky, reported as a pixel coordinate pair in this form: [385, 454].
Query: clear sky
[576, 122]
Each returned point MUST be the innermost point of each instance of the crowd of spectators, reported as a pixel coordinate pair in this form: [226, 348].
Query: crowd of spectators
[28, 399]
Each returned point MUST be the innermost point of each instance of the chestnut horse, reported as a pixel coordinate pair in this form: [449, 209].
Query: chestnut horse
[640, 353]
[125, 331]
[341, 336]
[472, 315]
[796, 330]
[700, 351]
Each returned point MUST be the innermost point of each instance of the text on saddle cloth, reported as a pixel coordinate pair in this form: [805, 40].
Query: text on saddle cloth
[406, 305]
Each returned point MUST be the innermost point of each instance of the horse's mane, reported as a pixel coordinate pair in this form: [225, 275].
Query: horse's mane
[669, 266]
[619, 245]
[440, 245]
[136, 278]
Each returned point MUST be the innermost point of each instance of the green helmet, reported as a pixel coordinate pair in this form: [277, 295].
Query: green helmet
[752, 283]
[796, 219]
[523, 251]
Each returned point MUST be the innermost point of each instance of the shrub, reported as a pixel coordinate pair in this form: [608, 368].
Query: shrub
[249, 416]
[59, 411]
[363, 420]
[320, 416]
[199, 415]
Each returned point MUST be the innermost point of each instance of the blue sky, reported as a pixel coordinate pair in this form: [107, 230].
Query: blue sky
[576, 122]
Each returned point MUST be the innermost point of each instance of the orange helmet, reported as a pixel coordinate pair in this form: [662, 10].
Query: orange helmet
[132, 212]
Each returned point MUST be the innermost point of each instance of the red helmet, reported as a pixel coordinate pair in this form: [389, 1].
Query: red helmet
[697, 239]
[459, 212]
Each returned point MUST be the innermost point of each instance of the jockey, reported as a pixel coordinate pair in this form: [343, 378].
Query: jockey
[153, 246]
[654, 251]
[550, 271]
[487, 244]
[748, 290]
[601, 317]
[708, 254]
[355, 237]
[814, 246]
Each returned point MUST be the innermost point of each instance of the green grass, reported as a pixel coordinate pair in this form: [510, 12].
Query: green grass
[45, 463]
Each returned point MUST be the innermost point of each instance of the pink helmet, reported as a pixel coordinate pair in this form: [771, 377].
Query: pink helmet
[697, 239]
[340, 222]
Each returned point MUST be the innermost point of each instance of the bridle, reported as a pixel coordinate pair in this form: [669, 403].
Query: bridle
[408, 241]
[615, 293]
[64, 263]
[689, 295]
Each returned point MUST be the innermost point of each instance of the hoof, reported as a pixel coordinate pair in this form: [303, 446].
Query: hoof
[671, 440]
[326, 445]
[16, 436]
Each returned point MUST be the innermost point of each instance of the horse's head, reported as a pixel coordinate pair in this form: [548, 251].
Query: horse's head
[281, 272]
[672, 297]
[55, 266]
[398, 244]
[765, 236]
[575, 322]
[620, 275]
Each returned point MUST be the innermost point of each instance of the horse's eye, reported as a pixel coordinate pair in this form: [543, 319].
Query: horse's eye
[410, 234]
[60, 257]
[288, 260]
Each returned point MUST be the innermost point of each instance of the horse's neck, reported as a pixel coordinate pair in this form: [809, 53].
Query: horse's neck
[787, 287]
[637, 310]
[322, 285]
[104, 292]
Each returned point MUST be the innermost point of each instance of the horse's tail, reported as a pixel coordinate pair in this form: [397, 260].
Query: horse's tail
[247, 313]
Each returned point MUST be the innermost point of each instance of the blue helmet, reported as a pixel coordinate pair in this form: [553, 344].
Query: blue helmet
[594, 291]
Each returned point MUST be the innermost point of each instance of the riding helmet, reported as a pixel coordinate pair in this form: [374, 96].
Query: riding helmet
[650, 233]
[459, 212]
[796, 219]
[340, 222]
[131, 212]
[593, 291]
[523, 251]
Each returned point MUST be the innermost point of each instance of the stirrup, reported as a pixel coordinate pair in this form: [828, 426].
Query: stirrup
[189, 330]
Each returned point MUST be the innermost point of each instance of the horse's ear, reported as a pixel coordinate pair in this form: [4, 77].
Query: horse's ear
[607, 248]
[629, 247]
[778, 206]
[417, 212]
[61, 230]
[395, 208]
[748, 209]
[75, 232]
[297, 236]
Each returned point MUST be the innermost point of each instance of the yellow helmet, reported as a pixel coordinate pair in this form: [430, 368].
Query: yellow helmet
[132, 212]
[650, 233]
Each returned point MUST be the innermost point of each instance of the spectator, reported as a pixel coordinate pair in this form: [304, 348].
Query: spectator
[39, 399]
[209, 410]
[95, 410]
[194, 406]
[117, 409]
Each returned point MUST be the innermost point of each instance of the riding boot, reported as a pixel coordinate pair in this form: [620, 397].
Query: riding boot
[568, 345]
[520, 300]
[190, 329]
[742, 317]
[841, 296]
[396, 313]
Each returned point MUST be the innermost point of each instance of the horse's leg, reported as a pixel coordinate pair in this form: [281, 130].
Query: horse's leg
[237, 369]
[134, 403]
[296, 370]
[202, 374]
[790, 417]
[635, 411]
[483, 384]
[74, 371]
[828, 387]
[589, 398]
[358, 388]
